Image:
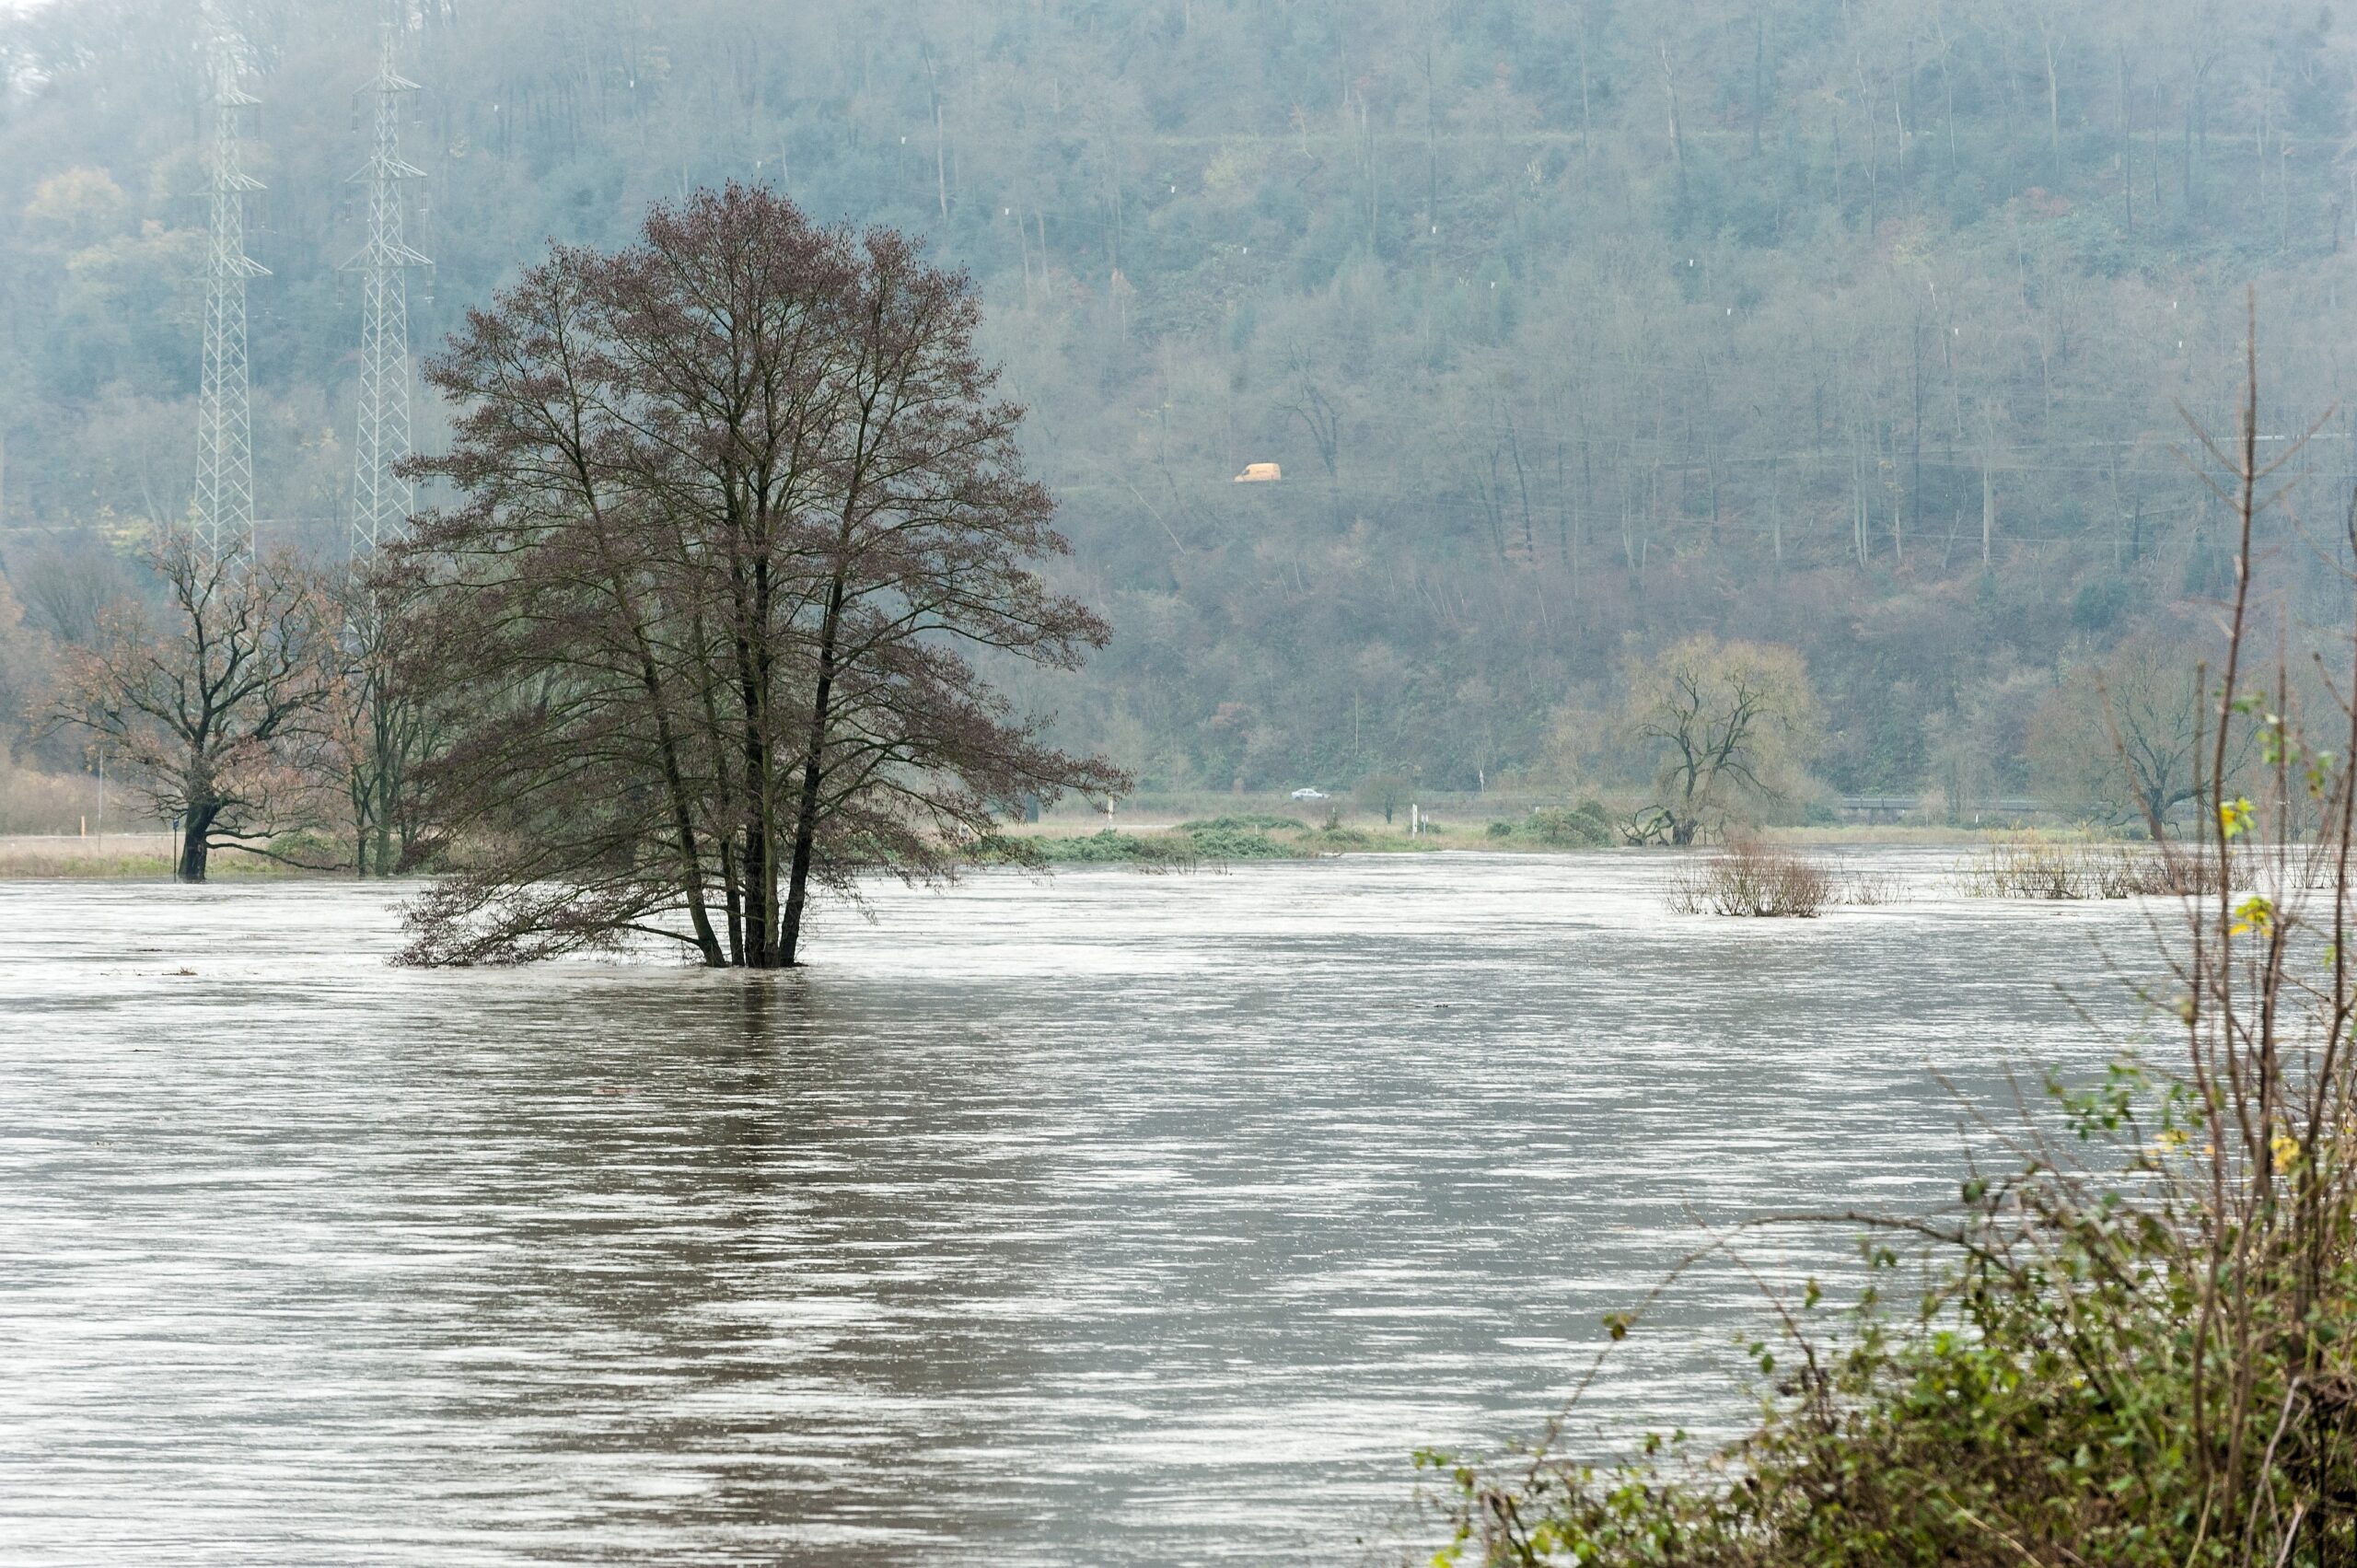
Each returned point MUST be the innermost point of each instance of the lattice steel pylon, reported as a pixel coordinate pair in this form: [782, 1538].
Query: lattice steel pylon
[223, 505]
[381, 498]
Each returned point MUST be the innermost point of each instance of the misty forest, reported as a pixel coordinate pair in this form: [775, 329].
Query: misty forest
[1574, 328]
[1505, 783]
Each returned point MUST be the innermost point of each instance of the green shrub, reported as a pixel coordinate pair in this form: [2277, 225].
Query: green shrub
[1109, 847]
[1584, 826]
[1250, 823]
[1225, 843]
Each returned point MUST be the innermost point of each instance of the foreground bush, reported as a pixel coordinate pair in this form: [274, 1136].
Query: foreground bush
[2139, 1347]
[2110, 1372]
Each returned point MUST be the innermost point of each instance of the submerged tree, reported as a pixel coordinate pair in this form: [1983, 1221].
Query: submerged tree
[213, 715]
[1730, 724]
[740, 509]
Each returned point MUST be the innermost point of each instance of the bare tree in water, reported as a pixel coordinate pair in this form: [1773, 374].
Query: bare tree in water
[378, 728]
[740, 509]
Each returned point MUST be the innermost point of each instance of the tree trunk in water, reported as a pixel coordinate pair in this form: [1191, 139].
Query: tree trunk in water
[195, 828]
[805, 820]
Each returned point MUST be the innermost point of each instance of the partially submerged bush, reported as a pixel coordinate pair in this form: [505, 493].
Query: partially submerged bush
[1749, 878]
[2037, 866]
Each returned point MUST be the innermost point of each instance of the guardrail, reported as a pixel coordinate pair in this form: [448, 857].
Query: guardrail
[1901, 805]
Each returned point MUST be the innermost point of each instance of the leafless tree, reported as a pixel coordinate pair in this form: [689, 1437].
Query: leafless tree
[1731, 723]
[210, 707]
[740, 503]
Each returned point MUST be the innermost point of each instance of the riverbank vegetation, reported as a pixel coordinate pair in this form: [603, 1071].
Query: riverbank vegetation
[2136, 1345]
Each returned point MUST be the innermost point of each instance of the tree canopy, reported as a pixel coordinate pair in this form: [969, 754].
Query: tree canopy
[738, 505]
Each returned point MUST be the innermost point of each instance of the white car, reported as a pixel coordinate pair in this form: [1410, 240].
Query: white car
[1308, 794]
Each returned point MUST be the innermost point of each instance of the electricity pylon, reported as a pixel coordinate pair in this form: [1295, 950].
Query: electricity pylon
[224, 507]
[381, 498]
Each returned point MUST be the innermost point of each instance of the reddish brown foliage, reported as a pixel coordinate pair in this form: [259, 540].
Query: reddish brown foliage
[741, 507]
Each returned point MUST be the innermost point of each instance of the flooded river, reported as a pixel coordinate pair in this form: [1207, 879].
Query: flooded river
[1112, 1220]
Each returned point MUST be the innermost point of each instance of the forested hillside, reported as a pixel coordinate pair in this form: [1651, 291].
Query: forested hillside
[1576, 327]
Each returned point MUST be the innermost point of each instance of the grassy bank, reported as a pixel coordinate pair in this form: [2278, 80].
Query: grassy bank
[25, 857]
[1151, 838]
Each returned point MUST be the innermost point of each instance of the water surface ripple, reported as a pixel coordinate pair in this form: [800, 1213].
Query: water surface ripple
[1117, 1219]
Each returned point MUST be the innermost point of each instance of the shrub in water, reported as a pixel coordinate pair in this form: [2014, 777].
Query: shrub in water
[1748, 878]
[2034, 866]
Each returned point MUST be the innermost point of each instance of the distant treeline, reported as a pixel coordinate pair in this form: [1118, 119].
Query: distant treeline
[1576, 327]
